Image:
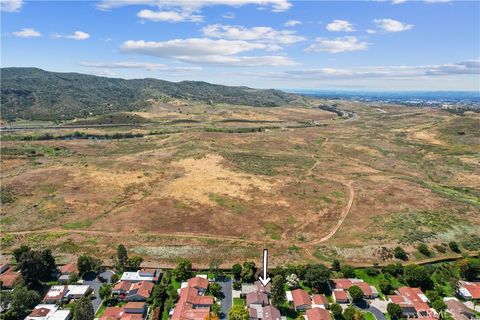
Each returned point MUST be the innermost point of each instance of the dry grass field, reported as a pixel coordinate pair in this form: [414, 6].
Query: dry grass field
[348, 189]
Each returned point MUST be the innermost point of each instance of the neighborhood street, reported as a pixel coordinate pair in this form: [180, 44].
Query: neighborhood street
[226, 302]
[92, 281]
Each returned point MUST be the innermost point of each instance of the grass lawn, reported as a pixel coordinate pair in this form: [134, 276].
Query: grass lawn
[175, 283]
[375, 281]
[100, 310]
[238, 302]
[369, 316]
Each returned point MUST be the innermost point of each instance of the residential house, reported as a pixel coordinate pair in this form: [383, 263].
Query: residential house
[137, 291]
[192, 305]
[340, 296]
[150, 275]
[320, 301]
[66, 271]
[257, 286]
[469, 290]
[48, 312]
[119, 313]
[65, 293]
[135, 307]
[256, 298]
[301, 300]
[317, 314]
[369, 292]
[199, 283]
[8, 276]
[414, 303]
[264, 313]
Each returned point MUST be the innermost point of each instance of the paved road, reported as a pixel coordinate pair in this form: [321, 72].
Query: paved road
[368, 308]
[93, 282]
[226, 302]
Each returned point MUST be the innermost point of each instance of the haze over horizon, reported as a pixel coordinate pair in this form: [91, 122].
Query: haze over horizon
[343, 45]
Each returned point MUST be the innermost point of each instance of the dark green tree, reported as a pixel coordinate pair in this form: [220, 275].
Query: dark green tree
[394, 270]
[248, 271]
[356, 293]
[423, 249]
[439, 305]
[336, 265]
[399, 253]
[454, 246]
[86, 263]
[122, 258]
[19, 301]
[351, 313]
[469, 268]
[278, 296]
[236, 271]
[336, 310]
[317, 277]
[184, 270]
[37, 265]
[394, 311]
[386, 286]
[105, 291]
[17, 253]
[134, 262]
[238, 313]
[417, 276]
[73, 278]
[214, 289]
[84, 309]
[348, 271]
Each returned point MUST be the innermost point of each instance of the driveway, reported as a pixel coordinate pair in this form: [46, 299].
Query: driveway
[227, 299]
[365, 306]
[92, 281]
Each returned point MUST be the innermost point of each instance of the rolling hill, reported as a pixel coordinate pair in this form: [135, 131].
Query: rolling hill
[32, 93]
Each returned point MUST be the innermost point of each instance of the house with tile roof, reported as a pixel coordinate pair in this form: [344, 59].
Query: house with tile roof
[369, 292]
[414, 303]
[469, 290]
[9, 277]
[49, 312]
[301, 300]
[192, 304]
[317, 314]
[136, 291]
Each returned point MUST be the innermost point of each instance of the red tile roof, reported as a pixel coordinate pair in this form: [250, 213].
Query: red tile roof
[122, 286]
[144, 288]
[190, 305]
[414, 298]
[69, 268]
[300, 298]
[112, 313]
[9, 277]
[320, 299]
[198, 282]
[473, 288]
[340, 295]
[134, 305]
[270, 313]
[365, 287]
[39, 312]
[342, 283]
[318, 314]
[256, 298]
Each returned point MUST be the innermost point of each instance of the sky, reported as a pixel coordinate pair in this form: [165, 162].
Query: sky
[327, 45]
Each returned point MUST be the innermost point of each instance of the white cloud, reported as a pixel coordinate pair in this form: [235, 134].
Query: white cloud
[186, 10]
[137, 65]
[265, 35]
[27, 33]
[292, 23]
[371, 31]
[426, 1]
[470, 67]
[229, 15]
[340, 25]
[204, 50]
[390, 25]
[169, 16]
[398, 1]
[11, 5]
[77, 35]
[337, 45]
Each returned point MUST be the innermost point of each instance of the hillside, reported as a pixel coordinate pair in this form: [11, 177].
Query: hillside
[32, 93]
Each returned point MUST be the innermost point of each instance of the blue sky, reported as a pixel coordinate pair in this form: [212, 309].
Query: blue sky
[353, 45]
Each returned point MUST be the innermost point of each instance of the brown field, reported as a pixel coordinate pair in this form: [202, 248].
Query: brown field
[347, 189]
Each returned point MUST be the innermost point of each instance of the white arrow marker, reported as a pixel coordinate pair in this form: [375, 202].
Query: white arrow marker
[265, 280]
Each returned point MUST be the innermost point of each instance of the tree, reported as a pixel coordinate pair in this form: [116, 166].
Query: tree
[293, 281]
[278, 291]
[336, 265]
[37, 265]
[134, 262]
[394, 311]
[84, 309]
[469, 268]
[454, 246]
[238, 313]
[394, 270]
[248, 271]
[215, 310]
[399, 253]
[352, 313]
[386, 287]
[439, 305]
[418, 276]
[214, 289]
[317, 277]
[17, 253]
[105, 291]
[237, 285]
[184, 270]
[114, 278]
[236, 271]
[348, 271]
[19, 301]
[214, 267]
[87, 264]
[336, 310]
[423, 249]
[73, 278]
[122, 258]
[356, 293]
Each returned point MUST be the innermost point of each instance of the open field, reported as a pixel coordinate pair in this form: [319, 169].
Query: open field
[308, 185]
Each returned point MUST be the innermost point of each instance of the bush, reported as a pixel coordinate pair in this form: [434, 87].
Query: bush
[399, 253]
[423, 249]
[237, 285]
[336, 310]
[348, 271]
[372, 272]
[454, 246]
[394, 311]
[356, 293]
[386, 287]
